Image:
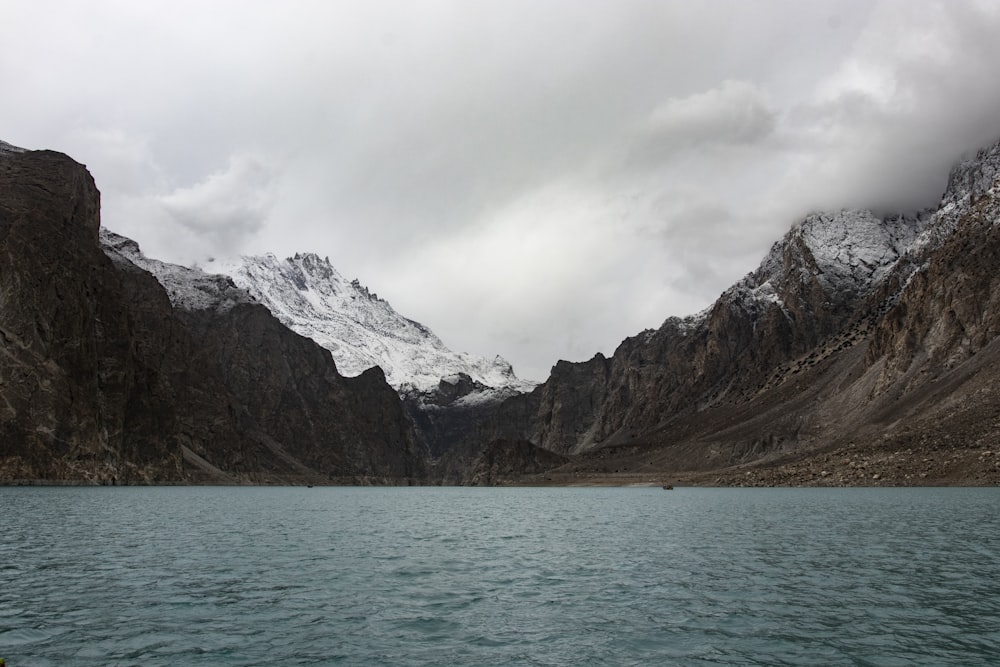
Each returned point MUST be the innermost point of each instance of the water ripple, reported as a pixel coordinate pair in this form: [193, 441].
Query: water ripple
[224, 576]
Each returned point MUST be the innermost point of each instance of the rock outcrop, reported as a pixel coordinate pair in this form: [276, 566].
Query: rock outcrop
[504, 461]
[106, 377]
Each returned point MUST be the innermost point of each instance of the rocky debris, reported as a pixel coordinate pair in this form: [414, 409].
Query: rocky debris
[104, 380]
[874, 465]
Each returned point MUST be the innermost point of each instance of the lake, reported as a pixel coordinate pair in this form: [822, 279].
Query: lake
[481, 576]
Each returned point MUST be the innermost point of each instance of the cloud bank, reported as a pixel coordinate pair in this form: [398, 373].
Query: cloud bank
[534, 179]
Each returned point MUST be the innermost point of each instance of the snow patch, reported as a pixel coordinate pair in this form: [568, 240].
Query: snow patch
[854, 250]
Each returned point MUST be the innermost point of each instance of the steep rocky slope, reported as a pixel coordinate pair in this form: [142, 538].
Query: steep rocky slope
[813, 283]
[107, 377]
[854, 333]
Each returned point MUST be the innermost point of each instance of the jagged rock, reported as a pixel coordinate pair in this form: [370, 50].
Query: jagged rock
[103, 378]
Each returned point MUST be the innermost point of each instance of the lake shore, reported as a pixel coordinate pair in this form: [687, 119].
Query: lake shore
[872, 465]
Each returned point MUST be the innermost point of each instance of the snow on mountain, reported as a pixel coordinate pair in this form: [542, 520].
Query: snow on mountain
[361, 330]
[188, 289]
[854, 250]
[849, 252]
[6, 148]
[968, 182]
[311, 298]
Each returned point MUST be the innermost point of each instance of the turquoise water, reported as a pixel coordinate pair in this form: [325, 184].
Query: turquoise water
[467, 576]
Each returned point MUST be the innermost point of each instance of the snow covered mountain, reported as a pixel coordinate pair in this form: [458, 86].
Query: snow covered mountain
[844, 255]
[188, 289]
[309, 296]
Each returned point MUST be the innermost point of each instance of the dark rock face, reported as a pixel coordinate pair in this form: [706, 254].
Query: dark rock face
[60, 342]
[504, 461]
[103, 380]
[446, 417]
[949, 309]
[299, 405]
[440, 418]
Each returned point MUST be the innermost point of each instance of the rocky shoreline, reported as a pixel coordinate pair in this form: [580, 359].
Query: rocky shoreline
[853, 466]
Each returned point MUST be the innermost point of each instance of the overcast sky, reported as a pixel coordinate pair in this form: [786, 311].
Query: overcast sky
[531, 178]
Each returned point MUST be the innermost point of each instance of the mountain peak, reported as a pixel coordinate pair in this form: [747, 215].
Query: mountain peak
[360, 329]
[188, 289]
[845, 252]
[972, 178]
[311, 261]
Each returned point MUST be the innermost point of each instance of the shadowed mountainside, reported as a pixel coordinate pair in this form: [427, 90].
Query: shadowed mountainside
[863, 350]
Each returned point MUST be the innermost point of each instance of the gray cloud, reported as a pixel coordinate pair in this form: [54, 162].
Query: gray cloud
[532, 179]
[736, 112]
[225, 208]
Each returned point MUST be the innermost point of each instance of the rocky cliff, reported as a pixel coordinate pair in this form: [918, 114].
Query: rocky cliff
[855, 332]
[105, 376]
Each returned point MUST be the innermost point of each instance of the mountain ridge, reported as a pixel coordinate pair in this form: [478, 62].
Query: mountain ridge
[444, 394]
[360, 329]
[862, 350]
[833, 300]
[108, 377]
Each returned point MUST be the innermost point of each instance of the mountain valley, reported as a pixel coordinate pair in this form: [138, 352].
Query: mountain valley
[862, 351]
